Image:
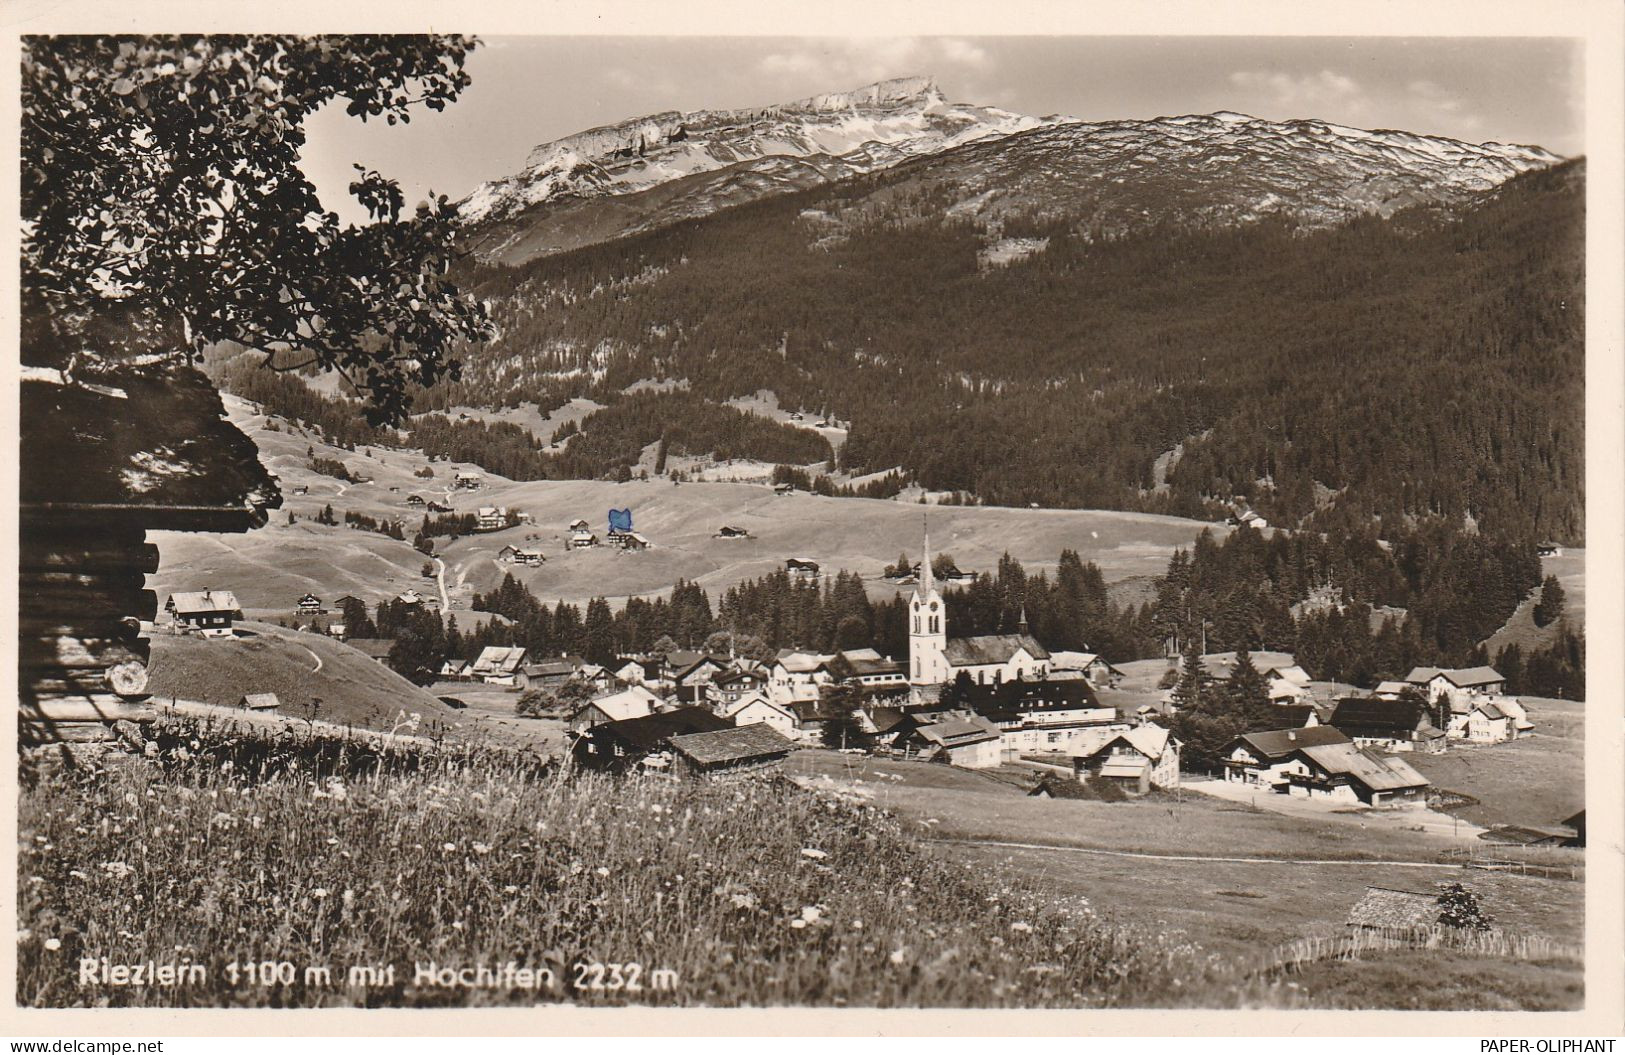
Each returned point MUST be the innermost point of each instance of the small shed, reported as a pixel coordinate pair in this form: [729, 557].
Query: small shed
[729, 754]
[259, 701]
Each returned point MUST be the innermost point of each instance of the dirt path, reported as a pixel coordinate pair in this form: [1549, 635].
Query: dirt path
[1193, 857]
[440, 580]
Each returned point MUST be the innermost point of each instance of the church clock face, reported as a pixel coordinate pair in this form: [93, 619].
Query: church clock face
[933, 606]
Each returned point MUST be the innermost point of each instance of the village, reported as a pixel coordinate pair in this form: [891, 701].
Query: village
[1060, 723]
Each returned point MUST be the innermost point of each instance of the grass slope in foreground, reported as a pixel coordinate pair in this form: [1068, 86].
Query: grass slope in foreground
[752, 894]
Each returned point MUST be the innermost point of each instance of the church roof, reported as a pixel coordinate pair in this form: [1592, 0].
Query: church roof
[990, 648]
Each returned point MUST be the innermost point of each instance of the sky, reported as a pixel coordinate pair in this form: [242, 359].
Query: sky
[531, 90]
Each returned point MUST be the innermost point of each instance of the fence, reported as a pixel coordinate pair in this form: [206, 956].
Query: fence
[1540, 861]
[1494, 943]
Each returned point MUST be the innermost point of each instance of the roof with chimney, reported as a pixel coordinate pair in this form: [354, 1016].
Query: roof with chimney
[1462, 678]
[201, 602]
[1272, 745]
[1377, 772]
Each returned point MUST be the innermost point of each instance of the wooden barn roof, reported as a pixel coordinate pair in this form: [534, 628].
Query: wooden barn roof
[731, 745]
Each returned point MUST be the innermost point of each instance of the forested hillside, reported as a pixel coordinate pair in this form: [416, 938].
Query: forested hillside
[1429, 364]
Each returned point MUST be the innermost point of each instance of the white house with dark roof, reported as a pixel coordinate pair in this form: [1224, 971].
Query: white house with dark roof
[209, 612]
[1462, 686]
[1138, 759]
[988, 659]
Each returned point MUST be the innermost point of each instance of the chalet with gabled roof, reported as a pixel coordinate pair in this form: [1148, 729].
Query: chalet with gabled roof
[756, 750]
[1393, 725]
[207, 612]
[643, 742]
[1136, 760]
[1262, 757]
[310, 604]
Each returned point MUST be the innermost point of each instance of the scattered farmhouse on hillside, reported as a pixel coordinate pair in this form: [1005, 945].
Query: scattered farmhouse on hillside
[467, 480]
[729, 532]
[259, 701]
[583, 539]
[802, 569]
[209, 612]
[310, 604]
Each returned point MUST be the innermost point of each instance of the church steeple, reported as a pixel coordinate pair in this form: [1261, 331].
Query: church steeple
[927, 583]
[928, 626]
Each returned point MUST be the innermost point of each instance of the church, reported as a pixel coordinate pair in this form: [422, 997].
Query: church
[990, 659]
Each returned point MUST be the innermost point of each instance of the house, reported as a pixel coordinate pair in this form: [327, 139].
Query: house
[798, 676]
[1033, 716]
[547, 673]
[467, 480]
[529, 556]
[301, 489]
[583, 540]
[638, 670]
[811, 717]
[410, 597]
[1388, 908]
[729, 532]
[209, 612]
[618, 746]
[692, 674]
[1253, 520]
[337, 630]
[884, 726]
[731, 686]
[635, 702]
[1486, 723]
[600, 678]
[783, 488]
[802, 569]
[377, 648]
[872, 670]
[259, 701]
[730, 754]
[1137, 759]
[491, 518]
[969, 743]
[756, 709]
[1101, 674]
[1548, 549]
[1390, 690]
[497, 664]
[1461, 686]
[1577, 824]
[579, 524]
[1263, 757]
[1291, 716]
[310, 604]
[414, 500]
[631, 540]
[1528, 835]
[1393, 725]
[1345, 773]
[454, 669]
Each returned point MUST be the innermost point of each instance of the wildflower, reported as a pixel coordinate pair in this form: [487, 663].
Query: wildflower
[510, 889]
[811, 913]
[601, 872]
[1021, 928]
[319, 893]
[898, 956]
[816, 855]
[53, 944]
[857, 924]
[482, 848]
[449, 847]
[798, 923]
[77, 874]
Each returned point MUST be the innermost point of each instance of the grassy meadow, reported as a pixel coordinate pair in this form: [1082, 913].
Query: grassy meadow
[749, 894]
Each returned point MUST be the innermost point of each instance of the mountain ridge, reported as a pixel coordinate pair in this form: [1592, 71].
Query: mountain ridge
[1225, 167]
